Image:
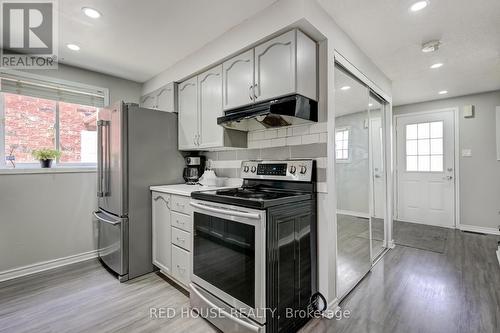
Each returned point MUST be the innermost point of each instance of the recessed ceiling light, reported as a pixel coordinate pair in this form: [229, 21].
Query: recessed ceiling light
[431, 46]
[436, 65]
[370, 104]
[91, 12]
[443, 92]
[73, 47]
[419, 5]
[345, 88]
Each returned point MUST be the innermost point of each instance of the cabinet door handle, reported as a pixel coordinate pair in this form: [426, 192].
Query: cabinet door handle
[181, 239]
[250, 92]
[254, 88]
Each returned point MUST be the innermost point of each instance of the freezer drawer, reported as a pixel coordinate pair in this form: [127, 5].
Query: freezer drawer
[113, 242]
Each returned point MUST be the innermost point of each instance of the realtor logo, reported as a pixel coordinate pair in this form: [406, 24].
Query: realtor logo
[29, 34]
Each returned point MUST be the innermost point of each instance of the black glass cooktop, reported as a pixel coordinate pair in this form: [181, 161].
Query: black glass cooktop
[254, 194]
[251, 197]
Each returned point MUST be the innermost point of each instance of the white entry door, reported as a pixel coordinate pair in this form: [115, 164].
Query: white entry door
[377, 166]
[426, 168]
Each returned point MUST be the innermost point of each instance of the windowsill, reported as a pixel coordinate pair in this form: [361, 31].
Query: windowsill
[27, 171]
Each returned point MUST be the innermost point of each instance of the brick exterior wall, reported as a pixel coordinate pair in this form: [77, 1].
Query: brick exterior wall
[30, 124]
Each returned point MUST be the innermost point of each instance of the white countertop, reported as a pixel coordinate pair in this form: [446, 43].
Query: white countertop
[184, 189]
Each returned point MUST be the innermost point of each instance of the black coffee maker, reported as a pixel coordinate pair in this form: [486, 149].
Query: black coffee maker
[194, 169]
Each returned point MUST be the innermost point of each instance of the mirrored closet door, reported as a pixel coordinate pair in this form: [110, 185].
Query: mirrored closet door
[360, 179]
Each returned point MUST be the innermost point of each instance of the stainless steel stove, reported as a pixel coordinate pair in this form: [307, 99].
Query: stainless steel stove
[254, 248]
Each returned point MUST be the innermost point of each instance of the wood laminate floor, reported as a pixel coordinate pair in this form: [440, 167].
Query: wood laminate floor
[409, 290]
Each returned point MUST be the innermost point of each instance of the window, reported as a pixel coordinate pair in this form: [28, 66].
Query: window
[35, 123]
[47, 115]
[342, 144]
[424, 147]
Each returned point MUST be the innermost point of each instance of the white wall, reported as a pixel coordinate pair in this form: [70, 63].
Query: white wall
[479, 174]
[45, 217]
[313, 20]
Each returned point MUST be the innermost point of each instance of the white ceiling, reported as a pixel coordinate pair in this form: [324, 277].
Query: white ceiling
[138, 39]
[392, 36]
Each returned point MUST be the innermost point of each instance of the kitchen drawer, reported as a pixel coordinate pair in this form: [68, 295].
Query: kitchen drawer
[181, 204]
[181, 238]
[181, 265]
[181, 221]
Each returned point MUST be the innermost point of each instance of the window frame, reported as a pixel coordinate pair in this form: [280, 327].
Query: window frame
[56, 164]
[349, 152]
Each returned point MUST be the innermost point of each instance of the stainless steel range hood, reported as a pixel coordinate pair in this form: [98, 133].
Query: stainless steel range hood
[285, 111]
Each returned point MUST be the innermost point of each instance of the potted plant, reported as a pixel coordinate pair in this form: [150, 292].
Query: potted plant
[46, 156]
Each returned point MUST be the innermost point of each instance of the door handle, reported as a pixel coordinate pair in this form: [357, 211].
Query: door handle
[100, 218]
[448, 178]
[100, 193]
[107, 159]
[254, 88]
[225, 211]
[250, 92]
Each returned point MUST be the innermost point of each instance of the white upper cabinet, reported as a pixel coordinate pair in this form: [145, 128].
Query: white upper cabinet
[148, 101]
[238, 80]
[163, 99]
[210, 107]
[188, 114]
[284, 65]
[275, 67]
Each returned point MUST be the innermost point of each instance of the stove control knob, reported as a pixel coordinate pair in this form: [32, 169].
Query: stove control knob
[303, 169]
[254, 168]
[292, 169]
[246, 168]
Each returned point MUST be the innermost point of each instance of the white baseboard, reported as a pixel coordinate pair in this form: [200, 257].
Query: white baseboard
[353, 213]
[45, 265]
[482, 230]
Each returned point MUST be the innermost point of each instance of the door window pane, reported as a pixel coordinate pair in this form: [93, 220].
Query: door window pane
[29, 125]
[437, 146]
[436, 129]
[424, 147]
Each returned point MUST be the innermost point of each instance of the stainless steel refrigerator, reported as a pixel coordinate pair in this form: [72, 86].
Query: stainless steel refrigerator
[136, 148]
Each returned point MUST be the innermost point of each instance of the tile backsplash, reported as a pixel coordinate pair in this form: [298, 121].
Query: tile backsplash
[304, 141]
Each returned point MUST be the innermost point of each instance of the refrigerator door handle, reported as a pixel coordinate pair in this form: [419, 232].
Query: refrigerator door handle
[100, 192]
[98, 215]
[107, 160]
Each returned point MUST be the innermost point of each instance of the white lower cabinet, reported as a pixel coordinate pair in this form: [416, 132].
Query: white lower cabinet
[181, 265]
[162, 257]
[172, 236]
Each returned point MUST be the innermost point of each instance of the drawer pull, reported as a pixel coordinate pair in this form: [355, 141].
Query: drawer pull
[180, 268]
[181, 239]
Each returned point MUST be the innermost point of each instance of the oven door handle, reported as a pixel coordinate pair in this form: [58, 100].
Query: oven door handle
[254, 216]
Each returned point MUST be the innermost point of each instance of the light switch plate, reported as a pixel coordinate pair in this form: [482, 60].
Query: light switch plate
[466, 152]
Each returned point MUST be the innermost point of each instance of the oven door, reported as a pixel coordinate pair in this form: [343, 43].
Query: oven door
[229, 255]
